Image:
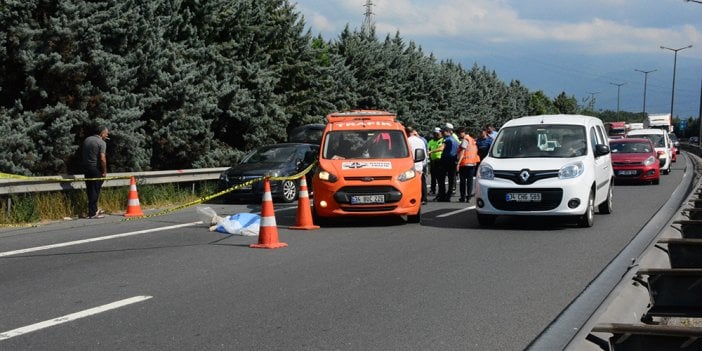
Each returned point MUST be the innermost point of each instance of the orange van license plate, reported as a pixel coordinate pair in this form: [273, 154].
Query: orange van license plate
[523, 197]
[367, 199]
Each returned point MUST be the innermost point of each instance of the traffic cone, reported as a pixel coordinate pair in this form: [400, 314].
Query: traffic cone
[133, 206]
[268, 230]
[303, 220]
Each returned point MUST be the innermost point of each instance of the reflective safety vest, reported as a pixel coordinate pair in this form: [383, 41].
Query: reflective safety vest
[470, 154]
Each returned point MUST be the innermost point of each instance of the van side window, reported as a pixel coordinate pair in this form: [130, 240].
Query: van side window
[593, 138]
[601, 136]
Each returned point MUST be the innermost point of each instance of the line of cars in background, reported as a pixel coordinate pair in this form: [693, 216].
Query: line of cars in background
[644, 154]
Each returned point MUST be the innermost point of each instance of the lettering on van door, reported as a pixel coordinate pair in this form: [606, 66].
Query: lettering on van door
[366, 165]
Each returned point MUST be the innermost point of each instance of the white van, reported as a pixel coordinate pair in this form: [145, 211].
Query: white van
[544, 166]
[661, 141]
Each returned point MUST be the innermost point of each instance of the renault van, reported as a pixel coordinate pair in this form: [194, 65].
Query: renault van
[366, 168]
[551, 165]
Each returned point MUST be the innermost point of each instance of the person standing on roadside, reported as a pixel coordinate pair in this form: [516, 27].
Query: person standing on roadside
[95, 166]
[434, 157]
[416, 142]
[467, 161]
[484, 141]
[447, 166]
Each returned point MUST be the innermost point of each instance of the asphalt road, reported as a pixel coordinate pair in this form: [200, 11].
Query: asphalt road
[380, 284]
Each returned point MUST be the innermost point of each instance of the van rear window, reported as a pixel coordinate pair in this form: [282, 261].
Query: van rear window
[540, 141]
[368, 144]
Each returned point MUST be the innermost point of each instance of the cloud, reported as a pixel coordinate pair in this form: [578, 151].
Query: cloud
[495, 22]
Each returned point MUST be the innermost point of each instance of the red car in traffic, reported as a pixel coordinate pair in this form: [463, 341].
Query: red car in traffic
[635, 159]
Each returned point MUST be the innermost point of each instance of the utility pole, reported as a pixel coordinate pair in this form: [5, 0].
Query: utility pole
[675, 63]
[645, 83]
[368, 17]
[619, 85]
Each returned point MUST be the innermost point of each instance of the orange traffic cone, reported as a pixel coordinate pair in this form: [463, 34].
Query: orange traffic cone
[133, 206]
[304, 213]
[268, 230]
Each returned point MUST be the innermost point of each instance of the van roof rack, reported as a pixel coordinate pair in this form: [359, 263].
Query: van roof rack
[357, 115]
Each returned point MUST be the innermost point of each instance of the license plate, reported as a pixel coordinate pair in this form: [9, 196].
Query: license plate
[523, 197]
[626, 172]
[368, 199]
[245, 187]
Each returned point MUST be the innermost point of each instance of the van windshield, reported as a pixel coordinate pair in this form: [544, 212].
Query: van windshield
[367, 144]
[540, 141]
[658, 140]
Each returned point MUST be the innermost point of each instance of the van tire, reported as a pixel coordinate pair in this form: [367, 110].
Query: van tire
[606, 206]
[415, 218]
[486, 220]
[587, 219]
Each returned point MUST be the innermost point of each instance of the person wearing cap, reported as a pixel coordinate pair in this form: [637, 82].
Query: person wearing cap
[449, 126]
[94, 162]
[447, 166]
[434, 156]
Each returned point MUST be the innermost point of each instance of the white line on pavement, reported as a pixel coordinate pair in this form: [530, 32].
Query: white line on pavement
[78, 242]
[455, 212]
[71, 317]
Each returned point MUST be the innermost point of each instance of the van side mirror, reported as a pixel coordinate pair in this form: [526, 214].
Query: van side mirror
[419, 155]
[601, 150]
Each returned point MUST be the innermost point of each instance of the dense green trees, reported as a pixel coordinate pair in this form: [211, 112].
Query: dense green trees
[187, 83]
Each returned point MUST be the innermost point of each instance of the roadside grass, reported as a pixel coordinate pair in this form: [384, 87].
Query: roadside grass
[50, 206]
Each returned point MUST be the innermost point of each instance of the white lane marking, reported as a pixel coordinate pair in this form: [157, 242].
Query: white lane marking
[456, 212]
[78, 242]
[71, 317]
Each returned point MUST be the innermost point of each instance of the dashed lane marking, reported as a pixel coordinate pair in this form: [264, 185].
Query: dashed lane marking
[456, 212]
[85, 241]
[71, 317]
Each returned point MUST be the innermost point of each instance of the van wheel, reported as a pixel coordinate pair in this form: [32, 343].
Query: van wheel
[319, 220]
[289, 191]
[486, 220]
[606, 206]
[415, 218]
[587, 219]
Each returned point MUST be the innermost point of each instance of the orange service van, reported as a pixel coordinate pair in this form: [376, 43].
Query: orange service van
[366, 168]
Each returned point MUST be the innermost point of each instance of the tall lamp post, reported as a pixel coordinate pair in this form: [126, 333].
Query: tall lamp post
[675, 63]
[619, 85]
[645, 83]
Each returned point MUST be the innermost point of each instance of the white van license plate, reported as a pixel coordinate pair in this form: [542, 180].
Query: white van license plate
[368, 199]
[523, 197]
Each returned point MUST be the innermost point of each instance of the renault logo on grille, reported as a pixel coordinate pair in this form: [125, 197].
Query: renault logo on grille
[524, 175]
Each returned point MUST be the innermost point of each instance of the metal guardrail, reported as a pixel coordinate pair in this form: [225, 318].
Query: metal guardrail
[71, 182]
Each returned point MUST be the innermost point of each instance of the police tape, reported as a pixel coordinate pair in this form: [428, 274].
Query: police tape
[54, 179]
[223, 192]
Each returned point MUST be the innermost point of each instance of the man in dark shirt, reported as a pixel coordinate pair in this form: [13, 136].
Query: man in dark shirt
[95, 166]
[447, 168]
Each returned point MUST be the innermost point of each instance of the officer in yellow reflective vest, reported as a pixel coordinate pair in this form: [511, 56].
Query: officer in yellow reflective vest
[434, 156]
[467, 161]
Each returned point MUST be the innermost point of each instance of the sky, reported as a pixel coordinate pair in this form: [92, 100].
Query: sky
[582, 48]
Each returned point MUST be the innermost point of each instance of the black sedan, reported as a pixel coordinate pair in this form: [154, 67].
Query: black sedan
[279, 160]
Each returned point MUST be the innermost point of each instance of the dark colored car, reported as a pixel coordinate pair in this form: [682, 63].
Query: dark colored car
[279, 160]
[635, 159]
[676, 142]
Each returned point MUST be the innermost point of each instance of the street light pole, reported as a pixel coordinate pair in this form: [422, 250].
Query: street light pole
[675, 63]
[619, 85]
[645, 83]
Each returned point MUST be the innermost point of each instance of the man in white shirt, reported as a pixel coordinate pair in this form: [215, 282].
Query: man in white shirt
[415, 143]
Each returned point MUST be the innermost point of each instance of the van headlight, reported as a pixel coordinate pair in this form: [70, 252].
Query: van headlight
[572, 170]
[485, 172]
[407, 175]
[650, 160]
[327, 177]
